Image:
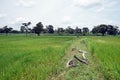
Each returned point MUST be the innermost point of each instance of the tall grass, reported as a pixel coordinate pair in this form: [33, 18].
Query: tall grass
[107, 51]
[30, 58]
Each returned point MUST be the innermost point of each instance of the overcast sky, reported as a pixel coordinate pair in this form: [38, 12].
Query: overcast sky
[60, 13]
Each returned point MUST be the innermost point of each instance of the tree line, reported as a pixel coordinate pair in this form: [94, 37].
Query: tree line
[101, 29]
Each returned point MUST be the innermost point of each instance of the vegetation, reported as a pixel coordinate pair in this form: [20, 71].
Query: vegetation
[103, 56]
[38, 29]
[101, 29]
[106, 29]
[31, 58]
[6, 30]
[50, 29]
[106, 50]
[24, 27]
[45, 57]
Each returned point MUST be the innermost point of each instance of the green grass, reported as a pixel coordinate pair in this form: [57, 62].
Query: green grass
[103, 56]
[45, 58]
[107, 51]
[30, 58]
[82, 71]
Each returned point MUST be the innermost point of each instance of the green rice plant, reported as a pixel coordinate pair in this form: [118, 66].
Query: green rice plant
[107, 50]
[30, 58]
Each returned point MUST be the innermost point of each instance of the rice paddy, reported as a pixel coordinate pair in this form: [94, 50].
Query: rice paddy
[44, 57]
[30, 58]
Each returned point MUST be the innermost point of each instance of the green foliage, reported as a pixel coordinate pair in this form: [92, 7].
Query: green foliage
[38, 28]
[105, 29]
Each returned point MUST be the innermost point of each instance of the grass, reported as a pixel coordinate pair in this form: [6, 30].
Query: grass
[103, 56]
[107, 52]
[30, 58]
[82, 71]
[45, 58]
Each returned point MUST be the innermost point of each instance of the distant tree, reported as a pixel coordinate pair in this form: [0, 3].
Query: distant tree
[60, 31]
[105, 29]
[15, 31]
[95, 30]
[25, 27]
[85, 31]
[1, 30]
[102, 29]
[119, 32]
[69, 30]
[112, 30]
[50, 29]
[6, 29]
[38, 28]
[78, 31]
[44, 30]
[22, 29]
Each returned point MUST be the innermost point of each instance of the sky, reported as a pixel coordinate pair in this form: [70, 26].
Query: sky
[59, 13]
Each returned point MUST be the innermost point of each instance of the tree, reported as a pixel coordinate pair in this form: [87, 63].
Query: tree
[6, 29]
[102, 29]
[69, 30]
[44, 31]
[85, 31]
[15, 31]
[112, 30]
[1, 30]
[50, 29]
[78, 31]
[60, 31]
[25, 27]
[22, 29]
[38, 28]
[119, 32]
[95, 30]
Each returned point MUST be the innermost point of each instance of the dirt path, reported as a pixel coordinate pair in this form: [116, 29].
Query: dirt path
[82, 71]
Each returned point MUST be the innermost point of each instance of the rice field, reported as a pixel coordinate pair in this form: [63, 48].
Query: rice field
[30, 58]
[106, 50]
[36, 58]
[103, 59]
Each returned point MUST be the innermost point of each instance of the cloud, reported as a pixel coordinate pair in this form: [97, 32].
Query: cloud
[2, 15]
[19, 20]
[25, 3]
[106, 5]
[87, 3]
[66, 19]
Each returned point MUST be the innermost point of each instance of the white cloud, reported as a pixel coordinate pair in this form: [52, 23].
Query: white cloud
[66, 19]
[106, 5]
[19, 20]
[25, 3]
[61, 12]
[87, 3]
[2, 15]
